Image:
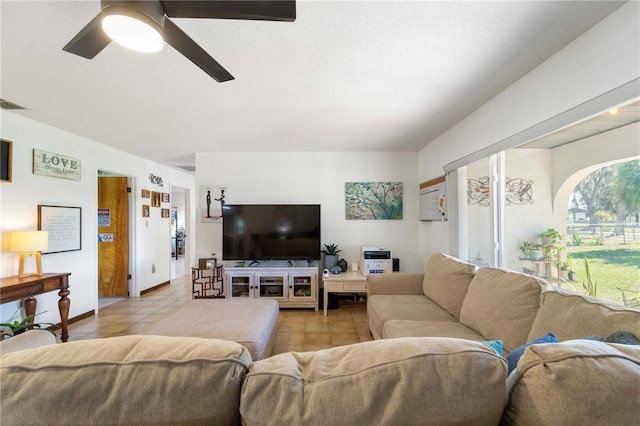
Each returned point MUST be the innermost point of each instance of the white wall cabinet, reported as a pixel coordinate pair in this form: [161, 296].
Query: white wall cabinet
[291, 287]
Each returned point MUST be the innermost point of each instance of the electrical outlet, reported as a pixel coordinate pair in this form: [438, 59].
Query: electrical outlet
[153, 268]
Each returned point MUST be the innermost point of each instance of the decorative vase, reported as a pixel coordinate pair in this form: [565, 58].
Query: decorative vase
[343, 265]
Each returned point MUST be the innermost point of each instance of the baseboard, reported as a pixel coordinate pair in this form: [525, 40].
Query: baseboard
[81, 317]
[155, 287]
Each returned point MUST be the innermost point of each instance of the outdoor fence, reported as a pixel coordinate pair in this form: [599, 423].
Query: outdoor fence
[599, 233]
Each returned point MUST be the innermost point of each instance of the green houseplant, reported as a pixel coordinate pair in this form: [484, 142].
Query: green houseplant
[330, 252]
[532, 251]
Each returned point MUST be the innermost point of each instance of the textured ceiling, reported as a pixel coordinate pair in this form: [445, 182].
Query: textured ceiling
[349, 75]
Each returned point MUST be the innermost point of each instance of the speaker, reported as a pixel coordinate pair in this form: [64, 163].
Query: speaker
[396, 264]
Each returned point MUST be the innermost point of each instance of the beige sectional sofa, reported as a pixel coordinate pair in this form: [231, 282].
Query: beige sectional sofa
[454, 298]
[448, 377]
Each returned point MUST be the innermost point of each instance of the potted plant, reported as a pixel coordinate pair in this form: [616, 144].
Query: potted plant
[330, 252]
[528, 271]
[553, 242]
[565, 267]
[532, 251]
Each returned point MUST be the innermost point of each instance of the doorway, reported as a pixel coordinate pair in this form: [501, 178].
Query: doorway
[113, 237]
[179, 232]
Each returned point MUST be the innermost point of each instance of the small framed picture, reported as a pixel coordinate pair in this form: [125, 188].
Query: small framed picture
[5, 160]
[145, 210]
[165, 212]
[165, 197]
[146, 193]
[155, 199]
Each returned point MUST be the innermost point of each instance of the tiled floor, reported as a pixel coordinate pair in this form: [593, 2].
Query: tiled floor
[298, 329]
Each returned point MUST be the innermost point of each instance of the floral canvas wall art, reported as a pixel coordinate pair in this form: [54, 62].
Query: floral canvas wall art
[373, 200]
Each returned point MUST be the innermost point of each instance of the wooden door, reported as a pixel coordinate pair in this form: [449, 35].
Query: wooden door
[113, 238]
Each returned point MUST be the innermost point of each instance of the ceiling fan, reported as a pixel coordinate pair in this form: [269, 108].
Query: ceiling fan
[145, 26]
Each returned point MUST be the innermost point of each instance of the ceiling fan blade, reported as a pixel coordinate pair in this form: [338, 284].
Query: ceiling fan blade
[283, 10]
[90, 40]
[196, 54]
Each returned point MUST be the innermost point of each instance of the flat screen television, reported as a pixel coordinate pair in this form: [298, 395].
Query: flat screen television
[271, 232]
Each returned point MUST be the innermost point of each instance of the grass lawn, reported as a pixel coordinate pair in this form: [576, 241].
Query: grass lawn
[613, 265]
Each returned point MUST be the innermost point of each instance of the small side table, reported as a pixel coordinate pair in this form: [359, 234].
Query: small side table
[344, 282]
[207, 278]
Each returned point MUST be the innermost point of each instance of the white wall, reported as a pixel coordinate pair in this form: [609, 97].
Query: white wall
[318, 178]
[20, 199]
[605, 57]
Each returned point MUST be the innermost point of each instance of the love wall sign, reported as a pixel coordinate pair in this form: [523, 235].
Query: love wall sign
[56, 165]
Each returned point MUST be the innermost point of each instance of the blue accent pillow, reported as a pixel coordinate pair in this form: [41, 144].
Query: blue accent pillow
[496, 345]
[514, 356]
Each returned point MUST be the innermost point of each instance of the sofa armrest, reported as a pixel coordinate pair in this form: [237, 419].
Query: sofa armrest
[395, 283]
[27, 340]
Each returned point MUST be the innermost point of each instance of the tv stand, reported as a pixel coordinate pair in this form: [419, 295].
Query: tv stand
[290, 286]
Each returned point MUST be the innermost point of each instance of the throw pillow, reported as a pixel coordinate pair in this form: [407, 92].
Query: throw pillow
[496, 345]
[620, 337]
[515, 355]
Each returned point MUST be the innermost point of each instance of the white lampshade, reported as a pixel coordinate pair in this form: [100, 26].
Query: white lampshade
[29, 241]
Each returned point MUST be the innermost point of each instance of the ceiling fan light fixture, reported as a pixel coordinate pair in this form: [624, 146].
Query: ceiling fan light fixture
[132, 29]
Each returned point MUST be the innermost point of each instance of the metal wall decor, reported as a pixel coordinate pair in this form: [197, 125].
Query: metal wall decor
[478, 191]
[518, 191]
[156, 180]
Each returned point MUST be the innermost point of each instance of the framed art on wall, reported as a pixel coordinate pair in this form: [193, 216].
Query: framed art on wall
[146, 193]
[165, 212]
[64, 225]
[6, 154]
[145, 210]
[165, 197]
[155, 199]
[373, 200]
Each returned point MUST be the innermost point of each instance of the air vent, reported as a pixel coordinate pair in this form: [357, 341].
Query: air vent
[9, 105]
[188, 168]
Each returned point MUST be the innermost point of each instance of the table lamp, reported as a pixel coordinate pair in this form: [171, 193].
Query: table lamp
[29, 243]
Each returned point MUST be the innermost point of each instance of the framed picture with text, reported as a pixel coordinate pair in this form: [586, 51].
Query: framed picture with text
[64, 225]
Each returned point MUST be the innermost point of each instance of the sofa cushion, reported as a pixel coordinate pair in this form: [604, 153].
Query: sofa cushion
[125, 380]
[27, 340]
[382, 308]
[501, 305]
[576, 382]
[394, 382]
[404, 328]
[574, 316]
[446, 281]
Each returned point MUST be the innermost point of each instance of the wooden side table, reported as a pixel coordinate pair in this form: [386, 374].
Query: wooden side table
[207, 278]
[344, 282]
[14, 288]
